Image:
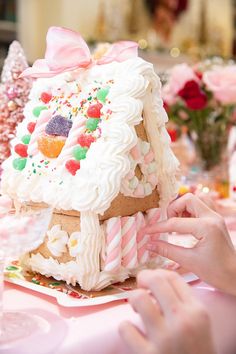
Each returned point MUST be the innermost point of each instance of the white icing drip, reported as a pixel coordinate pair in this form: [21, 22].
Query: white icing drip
[89, 259]
[167, 164]
[70, 271]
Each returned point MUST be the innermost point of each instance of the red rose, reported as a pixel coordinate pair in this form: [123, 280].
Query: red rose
[193, 96]
[173, 134]
[166, 106]
[198, 102]
[199, 74]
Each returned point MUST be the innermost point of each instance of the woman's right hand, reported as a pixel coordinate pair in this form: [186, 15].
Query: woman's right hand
[213, 258]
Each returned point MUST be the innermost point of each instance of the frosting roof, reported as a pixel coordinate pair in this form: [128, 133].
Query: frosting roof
[99, 179]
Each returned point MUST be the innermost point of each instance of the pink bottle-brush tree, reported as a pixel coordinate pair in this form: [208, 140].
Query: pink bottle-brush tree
[14, 92]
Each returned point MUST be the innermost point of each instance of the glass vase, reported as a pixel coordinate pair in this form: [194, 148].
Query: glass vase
[19, 234]
[211, 144]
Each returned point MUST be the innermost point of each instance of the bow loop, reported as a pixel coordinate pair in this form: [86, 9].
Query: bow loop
[67, 50]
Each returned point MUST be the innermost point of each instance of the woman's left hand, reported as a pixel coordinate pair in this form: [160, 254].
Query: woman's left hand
[175, 322]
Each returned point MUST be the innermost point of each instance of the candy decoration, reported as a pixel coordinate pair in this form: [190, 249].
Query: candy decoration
[113, 244]
[26, 139]
[85, 140]
[92, 124]
[50, 146]
[11, 106]
[37, 110]
[142, 239]
[72, 166]
[21, 149]
[14, 92]
[141, 156]
[31, 127]
[77, 129]
[39, 130]
[94, 111]
[102, 94]
[19, 163]
[46, 97]
[58, 125]
[79, 152]
[125, 238]
[128, 244]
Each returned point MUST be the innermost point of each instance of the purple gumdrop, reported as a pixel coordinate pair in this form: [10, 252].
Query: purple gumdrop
[58, 125]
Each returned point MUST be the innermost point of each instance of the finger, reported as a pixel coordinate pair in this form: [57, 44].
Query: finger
[149, 311]
[161, 289]
[183, 256]
[134, 340]
[180, 225]
[190, 204]
[154, 237]
[179, 285]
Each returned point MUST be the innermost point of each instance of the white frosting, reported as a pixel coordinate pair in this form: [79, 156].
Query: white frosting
[70, 271]
[89, 258]
[99, 178]
[57, 240]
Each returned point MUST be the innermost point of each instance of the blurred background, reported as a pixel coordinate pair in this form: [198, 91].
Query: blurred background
[178, 30]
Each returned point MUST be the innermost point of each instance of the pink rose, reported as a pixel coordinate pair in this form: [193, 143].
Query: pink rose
[179, 75]
[221, 81]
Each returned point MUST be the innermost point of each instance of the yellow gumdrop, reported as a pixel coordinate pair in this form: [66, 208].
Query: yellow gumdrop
[183, 189]
[50, 146]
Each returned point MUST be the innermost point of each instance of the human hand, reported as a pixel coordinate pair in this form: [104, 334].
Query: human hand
[213, 258]
[175, 322]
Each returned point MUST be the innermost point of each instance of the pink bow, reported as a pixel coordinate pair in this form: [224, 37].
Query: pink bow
[66, 51]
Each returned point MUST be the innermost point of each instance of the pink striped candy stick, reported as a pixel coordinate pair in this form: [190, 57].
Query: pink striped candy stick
[129, 244]
[113, 244]
[142, 239]
[152, 216]
[42, 121]
[78, 128]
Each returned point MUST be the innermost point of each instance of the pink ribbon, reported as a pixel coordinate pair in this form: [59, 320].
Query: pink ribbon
[66, 51]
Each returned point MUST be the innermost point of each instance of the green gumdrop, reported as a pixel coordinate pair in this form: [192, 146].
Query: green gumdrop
[12, 268]
[79, 152]
[19, 163]
[92, 123]
[26, 139]
[37, 110]
[102, 94]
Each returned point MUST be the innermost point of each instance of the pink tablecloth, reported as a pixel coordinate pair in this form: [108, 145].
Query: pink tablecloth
[94, 330]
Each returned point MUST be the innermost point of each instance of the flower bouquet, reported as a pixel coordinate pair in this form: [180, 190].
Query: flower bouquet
[203, 97]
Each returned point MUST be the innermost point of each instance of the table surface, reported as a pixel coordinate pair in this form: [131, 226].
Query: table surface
[95, 329]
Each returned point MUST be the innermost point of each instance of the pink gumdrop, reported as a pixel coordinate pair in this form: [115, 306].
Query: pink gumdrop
[152, 178]
[139, 192]
[149, 157]
[135, 153]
